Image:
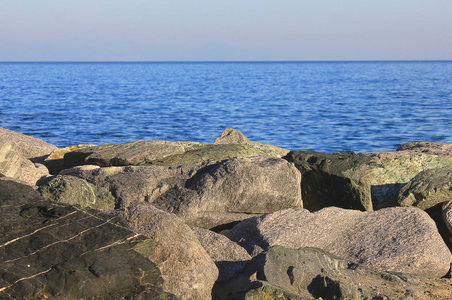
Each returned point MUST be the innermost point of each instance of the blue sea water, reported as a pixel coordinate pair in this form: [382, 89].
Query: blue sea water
[322, 106]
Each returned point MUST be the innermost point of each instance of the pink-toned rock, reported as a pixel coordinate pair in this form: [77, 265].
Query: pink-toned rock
[434, 148]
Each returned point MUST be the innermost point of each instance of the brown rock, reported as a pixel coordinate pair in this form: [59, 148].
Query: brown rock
[432, 148]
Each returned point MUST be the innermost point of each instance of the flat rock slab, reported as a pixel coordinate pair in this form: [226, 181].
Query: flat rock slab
[433, 148]
[427, 189]
[134, 153]
[312, 273]
[358, 181]
[401, 239]
[205, 194]
[52, 250]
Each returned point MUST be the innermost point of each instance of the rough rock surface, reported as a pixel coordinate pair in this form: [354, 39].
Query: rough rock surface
[358, 181]
[433, 148]
[54, 162]
[10, 160]
[311, 273]
[447, 214]
[233, 136]
[205, 194]
[29, 147]
[187, 269]
[56, 251]
[134, 153]
[229, 257]
[73, 190]
[427, 189]
[32, 172]
[401, 239]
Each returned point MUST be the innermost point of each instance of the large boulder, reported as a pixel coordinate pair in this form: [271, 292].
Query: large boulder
[233, 136]
[205, 194]
[401, 239]
[229, 257]
[73, 190]
[187, 269]
[29, 147]
[358, 181]
[312, 273]
[10, 160]
[57, 251]
[427, 189]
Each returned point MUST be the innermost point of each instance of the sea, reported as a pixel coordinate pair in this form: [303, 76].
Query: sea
[322, 106]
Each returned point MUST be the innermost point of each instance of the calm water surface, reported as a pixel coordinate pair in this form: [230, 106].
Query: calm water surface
[322, 106]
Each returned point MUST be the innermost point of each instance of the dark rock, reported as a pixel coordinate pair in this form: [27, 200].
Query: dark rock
[427, 189]
[53, 250]
[358, 181]
[73, 190]
[311, 273]
[400, 239]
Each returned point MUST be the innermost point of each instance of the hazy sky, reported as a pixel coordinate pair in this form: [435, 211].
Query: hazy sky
[205, 30]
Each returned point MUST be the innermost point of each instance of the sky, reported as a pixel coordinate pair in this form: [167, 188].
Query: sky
[232, 30]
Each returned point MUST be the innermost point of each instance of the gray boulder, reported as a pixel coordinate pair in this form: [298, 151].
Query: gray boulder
[229, 257]
[233, 136]
[397, 239]
[206, 194]
[358, 181]
[29, 147]
[311, 273]
[187, 269]
[10, 160]
[447, 214]
[31, 172]
[73, 190]
[427, 189]
[57, 251]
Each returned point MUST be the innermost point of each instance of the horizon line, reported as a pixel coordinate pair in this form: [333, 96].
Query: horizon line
[221, 61]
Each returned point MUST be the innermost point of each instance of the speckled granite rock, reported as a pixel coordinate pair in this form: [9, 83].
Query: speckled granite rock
[10, 160]
[205, 194]
[187, 269]
[233, 136]
[311, 273]
[29, 147]
[56, 251]
[427, 189]
[229, 257]
[433, 148]
[400, 239]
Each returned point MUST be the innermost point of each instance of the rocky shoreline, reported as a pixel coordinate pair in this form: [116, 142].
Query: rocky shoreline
[235, 219]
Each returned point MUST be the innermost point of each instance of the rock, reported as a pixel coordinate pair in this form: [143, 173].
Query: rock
[432, 148]
[447, 215]
[53, 250]
[187, 269]
[358, 181]
[29, 147]
[73, 190]
[233, 136]
[311, 273]
[205, 194]
[10, 160]
[229, 257]
[427, 189]
[134, 153]
[54, 162]
[32, 172]
[400, 239]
